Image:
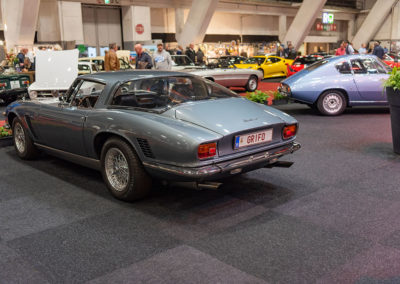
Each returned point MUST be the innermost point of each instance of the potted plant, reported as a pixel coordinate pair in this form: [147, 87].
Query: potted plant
[279, 99]
[258, 97]
[5, 136]
[392, 86]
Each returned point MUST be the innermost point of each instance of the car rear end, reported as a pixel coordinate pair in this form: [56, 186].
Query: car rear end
[13, 87]
[249, 138]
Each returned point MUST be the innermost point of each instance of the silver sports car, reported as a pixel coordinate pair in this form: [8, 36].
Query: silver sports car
[135, 125]
[231, 77]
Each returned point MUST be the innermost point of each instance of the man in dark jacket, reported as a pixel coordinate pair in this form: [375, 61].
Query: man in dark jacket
[200, 56]
[190, 52]
[378, 50]
[143, 60]
[290, 52]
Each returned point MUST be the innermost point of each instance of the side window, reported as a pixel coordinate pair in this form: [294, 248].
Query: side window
[87, 94]
[378, 67]
[370, 66]
[343, 67]
[274, 60]
[358, 67]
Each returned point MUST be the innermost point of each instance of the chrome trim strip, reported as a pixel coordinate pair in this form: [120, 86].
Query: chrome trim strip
[207, 171]
[78, 159]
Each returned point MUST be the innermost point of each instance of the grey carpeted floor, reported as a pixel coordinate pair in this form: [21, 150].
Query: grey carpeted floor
[334, 217]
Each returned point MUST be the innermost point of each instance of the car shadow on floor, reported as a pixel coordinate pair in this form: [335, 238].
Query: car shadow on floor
[237, 190]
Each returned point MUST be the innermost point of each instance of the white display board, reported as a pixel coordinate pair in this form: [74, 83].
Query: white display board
[55, 70]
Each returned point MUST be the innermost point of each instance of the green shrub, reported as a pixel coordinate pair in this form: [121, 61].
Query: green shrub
[257, 96]
[394, 80]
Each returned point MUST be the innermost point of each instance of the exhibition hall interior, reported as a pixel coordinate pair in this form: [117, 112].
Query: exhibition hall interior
[200, 141]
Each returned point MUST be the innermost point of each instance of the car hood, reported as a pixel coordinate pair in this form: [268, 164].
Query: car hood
[226, 116]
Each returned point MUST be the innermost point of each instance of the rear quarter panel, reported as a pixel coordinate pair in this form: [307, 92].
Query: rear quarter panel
[171, 141]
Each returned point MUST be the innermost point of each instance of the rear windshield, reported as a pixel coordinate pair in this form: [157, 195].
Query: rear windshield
[317, 64]
[306, 60]
[162, 93]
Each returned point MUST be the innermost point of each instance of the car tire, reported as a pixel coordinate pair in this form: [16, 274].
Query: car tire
[23, 143]
[252, 83]
[262, 71]
[133, 182]
[332, 103]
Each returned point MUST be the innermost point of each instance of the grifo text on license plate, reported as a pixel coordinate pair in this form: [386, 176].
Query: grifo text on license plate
[253, 138]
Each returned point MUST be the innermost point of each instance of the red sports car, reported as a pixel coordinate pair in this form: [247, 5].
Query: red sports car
[391, 59]
[302, 62]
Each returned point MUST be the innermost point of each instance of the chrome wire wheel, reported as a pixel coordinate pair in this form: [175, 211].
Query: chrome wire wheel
[19, 138]
[117, 169]
[332, 103]
[252, 83]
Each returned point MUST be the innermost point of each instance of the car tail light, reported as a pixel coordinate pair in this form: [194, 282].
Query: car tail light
[2, 85]
[289, 131]
[25, 82]
[207, 150]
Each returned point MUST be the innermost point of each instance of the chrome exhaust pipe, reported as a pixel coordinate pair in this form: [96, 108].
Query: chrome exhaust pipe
[196, 185]
[209, 185]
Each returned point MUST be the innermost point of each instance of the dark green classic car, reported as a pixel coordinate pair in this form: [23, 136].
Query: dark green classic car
[13, 87]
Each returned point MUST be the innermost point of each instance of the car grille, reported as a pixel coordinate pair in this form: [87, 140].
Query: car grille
[145, 147]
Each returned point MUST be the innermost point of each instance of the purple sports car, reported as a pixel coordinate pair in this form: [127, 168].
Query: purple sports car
[332, 84]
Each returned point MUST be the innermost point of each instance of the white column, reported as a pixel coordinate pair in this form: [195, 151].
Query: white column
[48, 27]
[373, 22]
[197, 22]
[302, 23]
[350, 30]
[70, 19]
[179, 21]
[136, 25]
[282, 27]
[19, 19]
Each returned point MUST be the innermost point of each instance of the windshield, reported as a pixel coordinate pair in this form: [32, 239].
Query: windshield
[306, 60]
[162, 93]
[255, 60]
[182, 60]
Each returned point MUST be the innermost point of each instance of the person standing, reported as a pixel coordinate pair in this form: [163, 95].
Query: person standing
[21, 57]
[179, 50]
[162, 58]
[341, 49]
[378, 50]
[281, 52]
[290, 52]
[106, 63]
[143, 60]
[349, 48]
[191, 53]
[363, 49]
[200, 56]
[111, 61]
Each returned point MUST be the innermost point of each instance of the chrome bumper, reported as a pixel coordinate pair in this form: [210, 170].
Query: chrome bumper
[234, 166]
